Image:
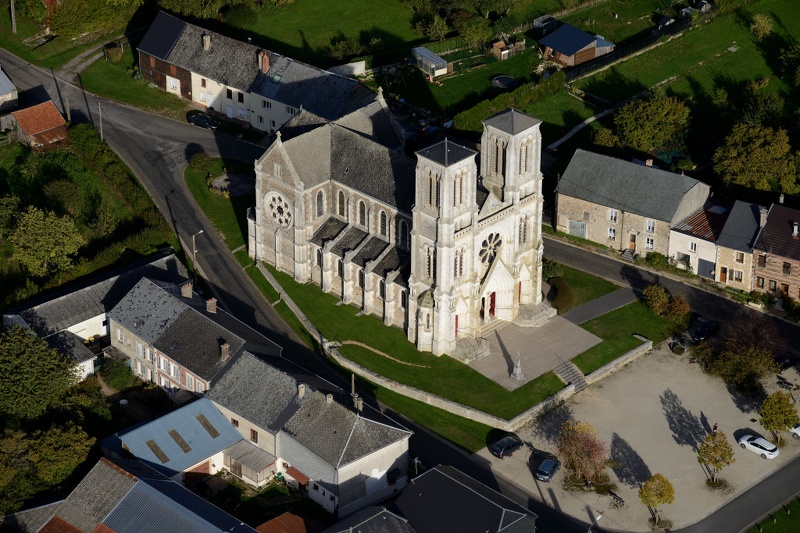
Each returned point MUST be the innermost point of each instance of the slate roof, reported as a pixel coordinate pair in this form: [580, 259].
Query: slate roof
[741, 228]
[349, 241]
[446, 153]
[258, 392]
[336, 434]
[393, 260]
[162, 35]
[511, 121]
[371, 250]
[706, 223]
[187, 422]
[567, 39]
[328, 231]
[633, 188]
[147, 311]
[81, 301]
[776, 236]
[39, 118]
[6, 87]
[30, 519]
[371, 520]
[71, 345]
[446, 499]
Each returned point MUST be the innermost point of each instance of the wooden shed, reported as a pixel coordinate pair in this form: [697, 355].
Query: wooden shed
[568, 46]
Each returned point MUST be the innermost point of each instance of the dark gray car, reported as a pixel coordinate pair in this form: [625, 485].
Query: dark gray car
[547, 469]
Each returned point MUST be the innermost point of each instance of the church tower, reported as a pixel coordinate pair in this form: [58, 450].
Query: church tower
[445, 202]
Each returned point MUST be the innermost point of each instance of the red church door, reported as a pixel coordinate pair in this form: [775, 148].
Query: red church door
[491, 303]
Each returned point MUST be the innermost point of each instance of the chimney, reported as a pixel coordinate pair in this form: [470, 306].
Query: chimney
[206, 42]
[264, 57]
[648, 163]
[360, 404]
[211, 305]
[795, 228]
[329, 398]
[301, 390]
[763, 221]
[224, 351]
[186, 289]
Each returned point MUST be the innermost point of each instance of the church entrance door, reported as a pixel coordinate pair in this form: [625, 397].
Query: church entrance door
[491, 303]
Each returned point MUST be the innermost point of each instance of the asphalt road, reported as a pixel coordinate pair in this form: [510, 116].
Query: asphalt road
[157, 150]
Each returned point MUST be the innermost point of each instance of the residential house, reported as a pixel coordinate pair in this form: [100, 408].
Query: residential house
[693, 240]
[446, 499]
[776, 253]
[239, 79]
[371, 520]
[9, 98]
[75, 317]
[125, 496]
[288, 523]
[168, 341]
[341, 459]
[39, 126]
[429, 63]
[625, 206]
[735, 246]
[568, 46]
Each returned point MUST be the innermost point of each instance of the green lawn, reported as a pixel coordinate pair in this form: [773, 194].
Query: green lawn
[634, 18]
[586, 287]
[784, 520]
[616, 329]
[559, 113]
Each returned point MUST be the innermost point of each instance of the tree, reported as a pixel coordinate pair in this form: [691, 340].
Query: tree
[678, 310]
[790, 64]
[551, 269]
[761, 105]
[758, 157]
[743, 366]
[655, 492]
[656, 298]
[605, 137]
[655, 123]
[761, 26]
[476, 31]
[778, 413]
[716, 453]
[436, 29]
[9, 209]
[33, 376]
[44, 242]
[581, 451]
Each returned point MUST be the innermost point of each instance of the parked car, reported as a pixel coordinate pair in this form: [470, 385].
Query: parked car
[784, 361]
[506, 445]
[795, 431]
[547, 469]
[759, 445]
[198, 118]
[702, 329]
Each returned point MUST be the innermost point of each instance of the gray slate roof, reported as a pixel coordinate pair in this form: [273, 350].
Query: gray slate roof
[6, 87]
[371, 250]
[327, 231]
[511, 121]
[258, 392]
[446, 153]
[776, 236]
[349, 241]
[71, 345]
[741, 228]
[629, 187]
[371, 520]
[147, 311]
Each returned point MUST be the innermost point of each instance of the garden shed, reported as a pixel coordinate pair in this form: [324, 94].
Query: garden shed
[428, 62]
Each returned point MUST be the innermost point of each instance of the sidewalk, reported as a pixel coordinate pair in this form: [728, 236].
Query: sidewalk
[600, 306]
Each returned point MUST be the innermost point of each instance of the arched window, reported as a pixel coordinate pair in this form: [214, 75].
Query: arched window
[362, 213]
[403, 299]
[455, 193]
[461, 188]
[523, 230]
[383, 224]
[403, 237]
[340, 269]
[320, 204]
[382, 289]
[341, 204]
[360, 279]
[319, 258]
[430, 188]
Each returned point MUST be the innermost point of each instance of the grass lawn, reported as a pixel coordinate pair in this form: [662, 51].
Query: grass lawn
[616, 329]
[784, 520]
[229, 215]
[633, 18]
[586, 287]
[559, 113]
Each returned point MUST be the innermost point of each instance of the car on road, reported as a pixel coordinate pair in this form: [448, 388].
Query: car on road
[547, 469]
[795, 431]
[198, 118]
[506, 445]
[759, 445]
[701, 330]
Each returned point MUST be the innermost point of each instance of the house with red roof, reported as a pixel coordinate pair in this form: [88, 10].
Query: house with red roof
[41, 125]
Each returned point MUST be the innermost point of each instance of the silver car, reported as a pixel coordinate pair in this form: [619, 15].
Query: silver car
[759, 445]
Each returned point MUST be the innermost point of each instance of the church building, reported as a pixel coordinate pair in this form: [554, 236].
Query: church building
[445, 245]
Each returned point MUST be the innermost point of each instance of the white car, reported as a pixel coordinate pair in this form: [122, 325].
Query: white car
[795, 431]
[759, 445]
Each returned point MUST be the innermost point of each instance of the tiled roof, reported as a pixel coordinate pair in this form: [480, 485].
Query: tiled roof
[38, 118]
[567, 39]
[706, 223]
[511, 121]
[633, 188]
[741, 228]
[287, 523]
[776, 236]
[147, 311]
[446, 153]
[258, 392]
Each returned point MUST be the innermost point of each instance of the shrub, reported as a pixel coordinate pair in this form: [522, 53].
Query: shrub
[657, 260]
[656, 298]
[117, 375]
[551, 269]
[565, 298]
[114, 54]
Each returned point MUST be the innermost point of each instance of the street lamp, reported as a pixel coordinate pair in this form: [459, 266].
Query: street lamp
[596, 520]
[194, 255]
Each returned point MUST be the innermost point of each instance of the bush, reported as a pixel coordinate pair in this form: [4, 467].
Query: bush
[565, 298]
[117, 375]
[656, 298]
[551, 269]
[657, 260]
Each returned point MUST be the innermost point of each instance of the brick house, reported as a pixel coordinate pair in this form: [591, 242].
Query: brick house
[625, 206]
[776, 253]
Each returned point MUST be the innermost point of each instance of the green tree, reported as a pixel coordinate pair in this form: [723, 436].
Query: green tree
[790, 64]
[33, 376]
[655, 492]
[581, 451]
[761, 105]
[605, 137]
[761, 26]
[656, 298]
[743, 365]
[778, 413]
[476, 31]
[44, 242]
[436, 29]
[656, 123]
[551, 269]
[716, 453]
[678, 310]
[9, 210]
[758, 157]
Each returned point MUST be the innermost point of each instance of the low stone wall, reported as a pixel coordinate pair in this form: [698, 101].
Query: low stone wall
[354, 69]
[604, 371]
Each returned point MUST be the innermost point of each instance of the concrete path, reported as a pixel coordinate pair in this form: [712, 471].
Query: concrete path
[600, 306]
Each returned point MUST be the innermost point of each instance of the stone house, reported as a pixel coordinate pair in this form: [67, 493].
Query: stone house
[625, 206]
[735, 246]
[242, 81]
[693, 240]
[776, 253]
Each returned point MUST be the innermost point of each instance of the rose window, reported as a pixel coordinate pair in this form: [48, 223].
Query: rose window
[279, 209]
[489, 247]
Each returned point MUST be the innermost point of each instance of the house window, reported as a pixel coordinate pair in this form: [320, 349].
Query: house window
[760, 282]
[240, 98]
[290, 110]
[773, 285]
[762, 260]
[649, 243]
[612, 216]
[383, 223]
[120, 335]
[173, 83]
[176, 372]
[272, 124]
[740, 257]
[203, 83]
[200, 386]
[266, 105]
[612, 234]
[362, 213]
[240, 112]
[189, 382]
[260, 120]
[139, 349]
[787, 269]
[737, 276]
[254, 436]
[341, 204]
[651, 226]
[152, 62]
[693, 247]
[320, 204]
[234, 422]
[229, 94]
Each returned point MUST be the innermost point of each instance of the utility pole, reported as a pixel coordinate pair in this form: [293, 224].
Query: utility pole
[69, 113]
[100, 108]
[13, 18]
[194, 255]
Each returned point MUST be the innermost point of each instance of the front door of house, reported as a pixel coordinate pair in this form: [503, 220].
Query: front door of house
[723, 275]
[491, 303]
[784, 290]
[632, 244]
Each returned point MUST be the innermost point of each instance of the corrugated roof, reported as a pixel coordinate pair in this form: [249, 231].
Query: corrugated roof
[511, 121]
[250, 455]
[706, 223]
[446, 153]
[741, 228]
[776, 236]
[38, 118]
[567, 39]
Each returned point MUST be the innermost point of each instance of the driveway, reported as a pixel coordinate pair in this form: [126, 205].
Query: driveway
[652, 414]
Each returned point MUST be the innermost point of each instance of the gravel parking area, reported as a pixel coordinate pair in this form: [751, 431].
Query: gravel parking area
[652, 414]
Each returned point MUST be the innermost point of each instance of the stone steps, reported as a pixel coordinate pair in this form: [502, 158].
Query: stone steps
[491, 327]
[569, 373]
